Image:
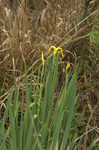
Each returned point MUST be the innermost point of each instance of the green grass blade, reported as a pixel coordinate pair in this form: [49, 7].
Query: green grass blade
[3, 132]
[71, 97]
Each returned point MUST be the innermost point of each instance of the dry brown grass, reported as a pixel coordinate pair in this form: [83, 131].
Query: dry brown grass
[26, 32]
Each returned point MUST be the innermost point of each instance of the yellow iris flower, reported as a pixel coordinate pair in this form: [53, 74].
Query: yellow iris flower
[56, 50]
[61, 51]
[43, 61]
[51, 47]
[67, 66]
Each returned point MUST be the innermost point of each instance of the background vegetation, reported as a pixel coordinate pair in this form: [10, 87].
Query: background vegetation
[29, 27]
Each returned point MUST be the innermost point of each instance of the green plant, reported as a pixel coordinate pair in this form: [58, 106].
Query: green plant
[94, 34]
[43, 124]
